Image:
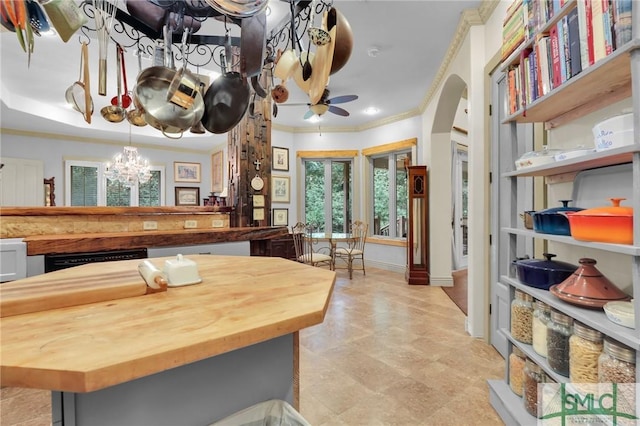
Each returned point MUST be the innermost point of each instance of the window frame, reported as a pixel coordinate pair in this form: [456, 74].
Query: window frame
[326, 156]
[390, 151]
[102, 182]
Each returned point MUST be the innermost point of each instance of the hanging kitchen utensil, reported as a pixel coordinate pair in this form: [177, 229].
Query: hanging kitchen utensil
[343, 42]
[185, 85]
[65, 16]
[17, 14]
[37, 18]
[226, 100]
[322, 63]
[126, 99]
[78, 95]
[115, 113]
[104, 11]
[238, 8]
[253, 36]
[317, 35]
[135, 116]
[197, 127]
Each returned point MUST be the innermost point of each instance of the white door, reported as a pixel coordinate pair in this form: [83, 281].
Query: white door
[460, 208]
[21, 182]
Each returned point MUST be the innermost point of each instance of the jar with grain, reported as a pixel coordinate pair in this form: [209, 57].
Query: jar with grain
[533, 375]
[516, 370]
[541, 317]
[585, 347]
[617, 363]
[522, 317]
[559, 330]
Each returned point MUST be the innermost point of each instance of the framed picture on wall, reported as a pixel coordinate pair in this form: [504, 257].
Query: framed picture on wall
[187, 196]
[280, 217]
[217, 172]
[258, 200]
[280, 189]
[186, 172]
[280, 159]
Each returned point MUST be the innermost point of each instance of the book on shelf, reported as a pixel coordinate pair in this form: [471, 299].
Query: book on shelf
[597, 23]
[575, 54]
[622, 22]
[556, 74]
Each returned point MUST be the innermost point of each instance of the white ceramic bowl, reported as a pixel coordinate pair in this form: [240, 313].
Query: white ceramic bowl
[614, 140]
[620, 313]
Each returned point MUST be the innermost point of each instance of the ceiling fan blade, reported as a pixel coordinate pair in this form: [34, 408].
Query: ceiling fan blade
[342, 99]
[338, 111]
[308, 115]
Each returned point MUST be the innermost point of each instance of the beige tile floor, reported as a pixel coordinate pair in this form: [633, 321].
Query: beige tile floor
[386, 354]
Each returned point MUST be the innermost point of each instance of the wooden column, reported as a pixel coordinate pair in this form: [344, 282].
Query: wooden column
[249, 146]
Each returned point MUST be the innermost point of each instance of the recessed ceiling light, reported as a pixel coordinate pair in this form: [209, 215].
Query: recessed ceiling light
[373, 51]
[371, 111]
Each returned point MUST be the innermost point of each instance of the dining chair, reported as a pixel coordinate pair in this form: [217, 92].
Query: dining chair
[355, 248]
[304, 241]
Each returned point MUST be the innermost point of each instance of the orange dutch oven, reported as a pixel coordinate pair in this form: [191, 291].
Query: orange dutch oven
[609, 224]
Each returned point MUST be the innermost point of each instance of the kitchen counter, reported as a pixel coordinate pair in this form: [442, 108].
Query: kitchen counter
[190, 354]
[92, 242]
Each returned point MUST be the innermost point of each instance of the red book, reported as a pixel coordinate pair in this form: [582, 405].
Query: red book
[589, 22]
[556, 71]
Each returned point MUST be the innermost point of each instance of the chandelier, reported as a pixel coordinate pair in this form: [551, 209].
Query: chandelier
[128, 168]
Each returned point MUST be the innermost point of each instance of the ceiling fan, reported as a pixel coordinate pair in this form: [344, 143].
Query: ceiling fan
[327, 104]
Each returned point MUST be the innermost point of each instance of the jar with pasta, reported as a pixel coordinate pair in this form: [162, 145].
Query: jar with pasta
[559, 331]
[617, 363]
[533, 375]
[541, 317]
[522, 317]
[516, 371]
[585, 347]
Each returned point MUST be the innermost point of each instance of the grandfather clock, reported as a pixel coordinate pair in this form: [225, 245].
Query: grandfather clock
[418, 233]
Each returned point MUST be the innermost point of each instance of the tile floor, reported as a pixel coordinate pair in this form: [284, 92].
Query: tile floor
[386, 354]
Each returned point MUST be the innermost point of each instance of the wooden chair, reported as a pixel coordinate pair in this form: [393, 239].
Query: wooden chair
[355, 248]
[303, 241]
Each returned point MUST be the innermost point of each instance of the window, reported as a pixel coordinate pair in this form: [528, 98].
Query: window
[87, 186]
[388, 187]
[328, 192]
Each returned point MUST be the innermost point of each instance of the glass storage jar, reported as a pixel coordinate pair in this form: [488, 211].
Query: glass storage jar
[522, 317]
[617, 363]
[559, 331]
[541, 317]
[585, 347]
[533, 375]
[516, 370]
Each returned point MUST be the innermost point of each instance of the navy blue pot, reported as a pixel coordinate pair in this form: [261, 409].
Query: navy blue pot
[553, 221]
[542, 274]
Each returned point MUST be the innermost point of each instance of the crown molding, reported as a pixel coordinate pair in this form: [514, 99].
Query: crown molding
[55, 136]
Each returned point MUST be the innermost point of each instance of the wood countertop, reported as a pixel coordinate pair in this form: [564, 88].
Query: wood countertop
[241, 301]
[78, 243]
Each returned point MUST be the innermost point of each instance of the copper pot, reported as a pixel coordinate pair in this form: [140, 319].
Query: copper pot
[344, 39]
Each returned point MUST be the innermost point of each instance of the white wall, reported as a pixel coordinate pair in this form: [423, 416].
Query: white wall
[55, 151]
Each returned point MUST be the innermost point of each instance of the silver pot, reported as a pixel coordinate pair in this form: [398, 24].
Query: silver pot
[150, 95]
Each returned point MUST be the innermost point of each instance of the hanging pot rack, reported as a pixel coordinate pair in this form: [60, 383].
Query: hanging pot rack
[202, 49]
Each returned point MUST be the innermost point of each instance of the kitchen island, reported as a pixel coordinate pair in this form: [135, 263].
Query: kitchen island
[190, 355]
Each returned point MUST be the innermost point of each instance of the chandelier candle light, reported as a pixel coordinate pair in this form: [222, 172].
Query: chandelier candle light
[128, 168]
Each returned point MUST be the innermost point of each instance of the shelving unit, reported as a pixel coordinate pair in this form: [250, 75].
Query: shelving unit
[608, 81]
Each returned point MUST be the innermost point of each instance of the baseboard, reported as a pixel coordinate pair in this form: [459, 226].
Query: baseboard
[386, 266]
[441, 281]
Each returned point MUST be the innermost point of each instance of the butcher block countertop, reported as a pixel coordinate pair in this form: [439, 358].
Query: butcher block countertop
[77, 243]
[241, 301]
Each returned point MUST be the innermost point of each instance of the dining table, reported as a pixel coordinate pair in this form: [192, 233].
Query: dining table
[333, 238]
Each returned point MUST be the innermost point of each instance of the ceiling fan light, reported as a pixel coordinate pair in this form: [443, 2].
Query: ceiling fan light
[319, 109]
